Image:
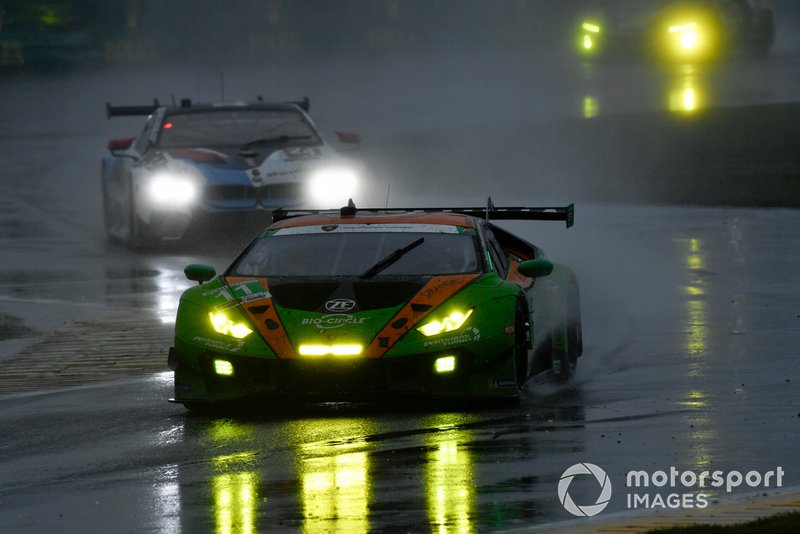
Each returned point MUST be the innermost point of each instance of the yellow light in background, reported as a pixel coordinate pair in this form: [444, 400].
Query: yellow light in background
[445, 364]
[689, 40]
[680, 28]
[589, 37]
[689, 99]
[223, 367]
[688, 35]
[590, 27]
[338, 349]
[590, 107]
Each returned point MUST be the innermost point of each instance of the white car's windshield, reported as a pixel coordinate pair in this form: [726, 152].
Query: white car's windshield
[235, 128]
[354, 254]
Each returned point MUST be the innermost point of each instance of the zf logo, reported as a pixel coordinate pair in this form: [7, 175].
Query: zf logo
[590, 509]
[340, 305]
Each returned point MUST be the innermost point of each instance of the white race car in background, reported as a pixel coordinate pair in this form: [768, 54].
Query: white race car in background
[222, 163]
[676, 30]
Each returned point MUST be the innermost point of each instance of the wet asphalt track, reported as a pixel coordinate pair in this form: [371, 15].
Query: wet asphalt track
[690, 317]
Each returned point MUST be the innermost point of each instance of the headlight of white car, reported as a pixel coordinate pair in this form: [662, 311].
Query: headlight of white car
[332, 185]
[167, 188]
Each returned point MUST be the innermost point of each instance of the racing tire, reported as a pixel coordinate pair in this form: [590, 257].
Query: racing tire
[574, 329]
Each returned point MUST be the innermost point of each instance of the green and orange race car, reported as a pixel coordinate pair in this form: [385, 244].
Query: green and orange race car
[350, 303]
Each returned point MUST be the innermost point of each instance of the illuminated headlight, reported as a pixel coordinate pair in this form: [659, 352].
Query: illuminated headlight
[172, 189]
[333, 185]
[453, 321]
[687, 35]
[222, 325]
[590, 27]
[590, 32]
[340, 349]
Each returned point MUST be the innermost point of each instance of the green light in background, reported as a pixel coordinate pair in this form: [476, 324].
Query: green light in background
[591, 108]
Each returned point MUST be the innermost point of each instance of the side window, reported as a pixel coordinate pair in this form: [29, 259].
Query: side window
[499, 260]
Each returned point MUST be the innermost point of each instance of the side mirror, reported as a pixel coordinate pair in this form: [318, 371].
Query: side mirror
[199, 273]
[535, 268]
[118, 147]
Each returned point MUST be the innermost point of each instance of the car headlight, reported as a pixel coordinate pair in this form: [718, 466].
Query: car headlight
[590, 34]
[223, 325]
[453, 321]
[333, 185]
[692, 35]
[167, 188]
[685, 36]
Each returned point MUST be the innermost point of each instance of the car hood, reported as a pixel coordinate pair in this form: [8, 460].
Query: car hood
[372, 313]
[233, 159]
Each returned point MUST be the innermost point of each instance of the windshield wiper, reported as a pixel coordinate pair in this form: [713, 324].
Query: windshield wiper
[270, 140]
[391, 258]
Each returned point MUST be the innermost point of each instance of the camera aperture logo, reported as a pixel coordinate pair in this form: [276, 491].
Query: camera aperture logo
[663, 489]
[589, 509]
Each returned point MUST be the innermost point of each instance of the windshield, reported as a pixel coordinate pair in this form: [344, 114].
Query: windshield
[352, 254]
[233, 128]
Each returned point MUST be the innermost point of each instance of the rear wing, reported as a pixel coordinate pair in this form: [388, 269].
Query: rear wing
[490, 212]
[148, 109]
[130, 111]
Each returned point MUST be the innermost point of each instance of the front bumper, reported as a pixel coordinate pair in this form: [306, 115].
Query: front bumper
[344, 379]
[219, 207]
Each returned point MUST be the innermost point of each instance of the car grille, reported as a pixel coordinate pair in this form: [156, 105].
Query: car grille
[269, 195]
